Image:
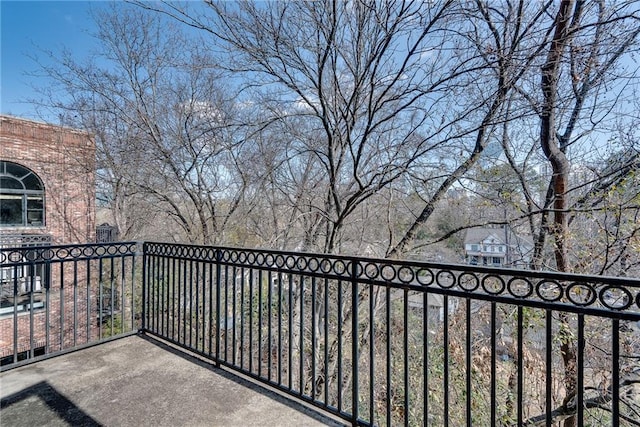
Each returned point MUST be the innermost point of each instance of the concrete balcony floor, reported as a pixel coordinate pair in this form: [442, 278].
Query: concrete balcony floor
[137, 381]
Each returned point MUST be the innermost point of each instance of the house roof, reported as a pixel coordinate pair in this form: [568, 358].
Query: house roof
[478, 235]
[503, 235]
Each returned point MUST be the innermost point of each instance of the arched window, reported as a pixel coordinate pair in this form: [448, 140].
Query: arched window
[21, 196]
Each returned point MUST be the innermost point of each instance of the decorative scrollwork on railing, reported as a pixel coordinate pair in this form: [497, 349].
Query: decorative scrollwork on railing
[39, 254]
[459, 280]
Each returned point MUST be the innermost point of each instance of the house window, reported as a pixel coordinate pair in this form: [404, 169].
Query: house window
[474, 248]
[23, 285]
[21, 196]
[22, 288]
[496, 260]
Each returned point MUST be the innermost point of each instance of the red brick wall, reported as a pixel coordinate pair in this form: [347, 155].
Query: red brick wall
[64, 159]
[72, 312]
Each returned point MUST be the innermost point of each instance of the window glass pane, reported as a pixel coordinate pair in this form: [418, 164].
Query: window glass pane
[35, 202]
[16, 170]
[10, 183]
[35, 218]
[31, 182]
[10, 209]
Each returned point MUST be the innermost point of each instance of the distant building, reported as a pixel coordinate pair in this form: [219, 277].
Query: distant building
[47, 182]
[47, 196]
[435, 305]
[497, 247]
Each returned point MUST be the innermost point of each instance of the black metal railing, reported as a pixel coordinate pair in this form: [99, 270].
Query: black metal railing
[390, 342]
[372, 341]
[59, 298]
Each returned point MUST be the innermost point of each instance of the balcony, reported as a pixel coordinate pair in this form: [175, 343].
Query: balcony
[325, 338]
[140, 381]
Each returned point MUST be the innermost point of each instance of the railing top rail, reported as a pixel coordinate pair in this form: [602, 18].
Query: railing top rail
[22, 255]
[613, 294]
[203, 252]
[610, 296]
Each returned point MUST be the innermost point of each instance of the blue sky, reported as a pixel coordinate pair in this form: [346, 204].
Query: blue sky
[31, 25]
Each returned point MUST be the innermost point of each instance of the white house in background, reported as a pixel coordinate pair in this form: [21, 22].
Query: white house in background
[497, 247]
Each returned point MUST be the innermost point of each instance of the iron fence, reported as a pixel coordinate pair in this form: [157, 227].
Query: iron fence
[405, 343]
[60, 298]
[373, 341]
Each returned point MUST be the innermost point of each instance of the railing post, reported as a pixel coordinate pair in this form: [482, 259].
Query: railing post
[615, 372]
[218, 272]
[354, 338]
[144, 287]
[15, 313]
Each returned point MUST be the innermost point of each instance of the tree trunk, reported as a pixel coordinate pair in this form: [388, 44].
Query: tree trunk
[560, 166]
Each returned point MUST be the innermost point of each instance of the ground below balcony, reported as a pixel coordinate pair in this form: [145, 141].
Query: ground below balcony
[137, 381]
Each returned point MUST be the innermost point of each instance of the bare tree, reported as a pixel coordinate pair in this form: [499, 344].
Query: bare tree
[164, 125]
[368, 78]
[588, 41]
[506, 45]
[346, 115]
